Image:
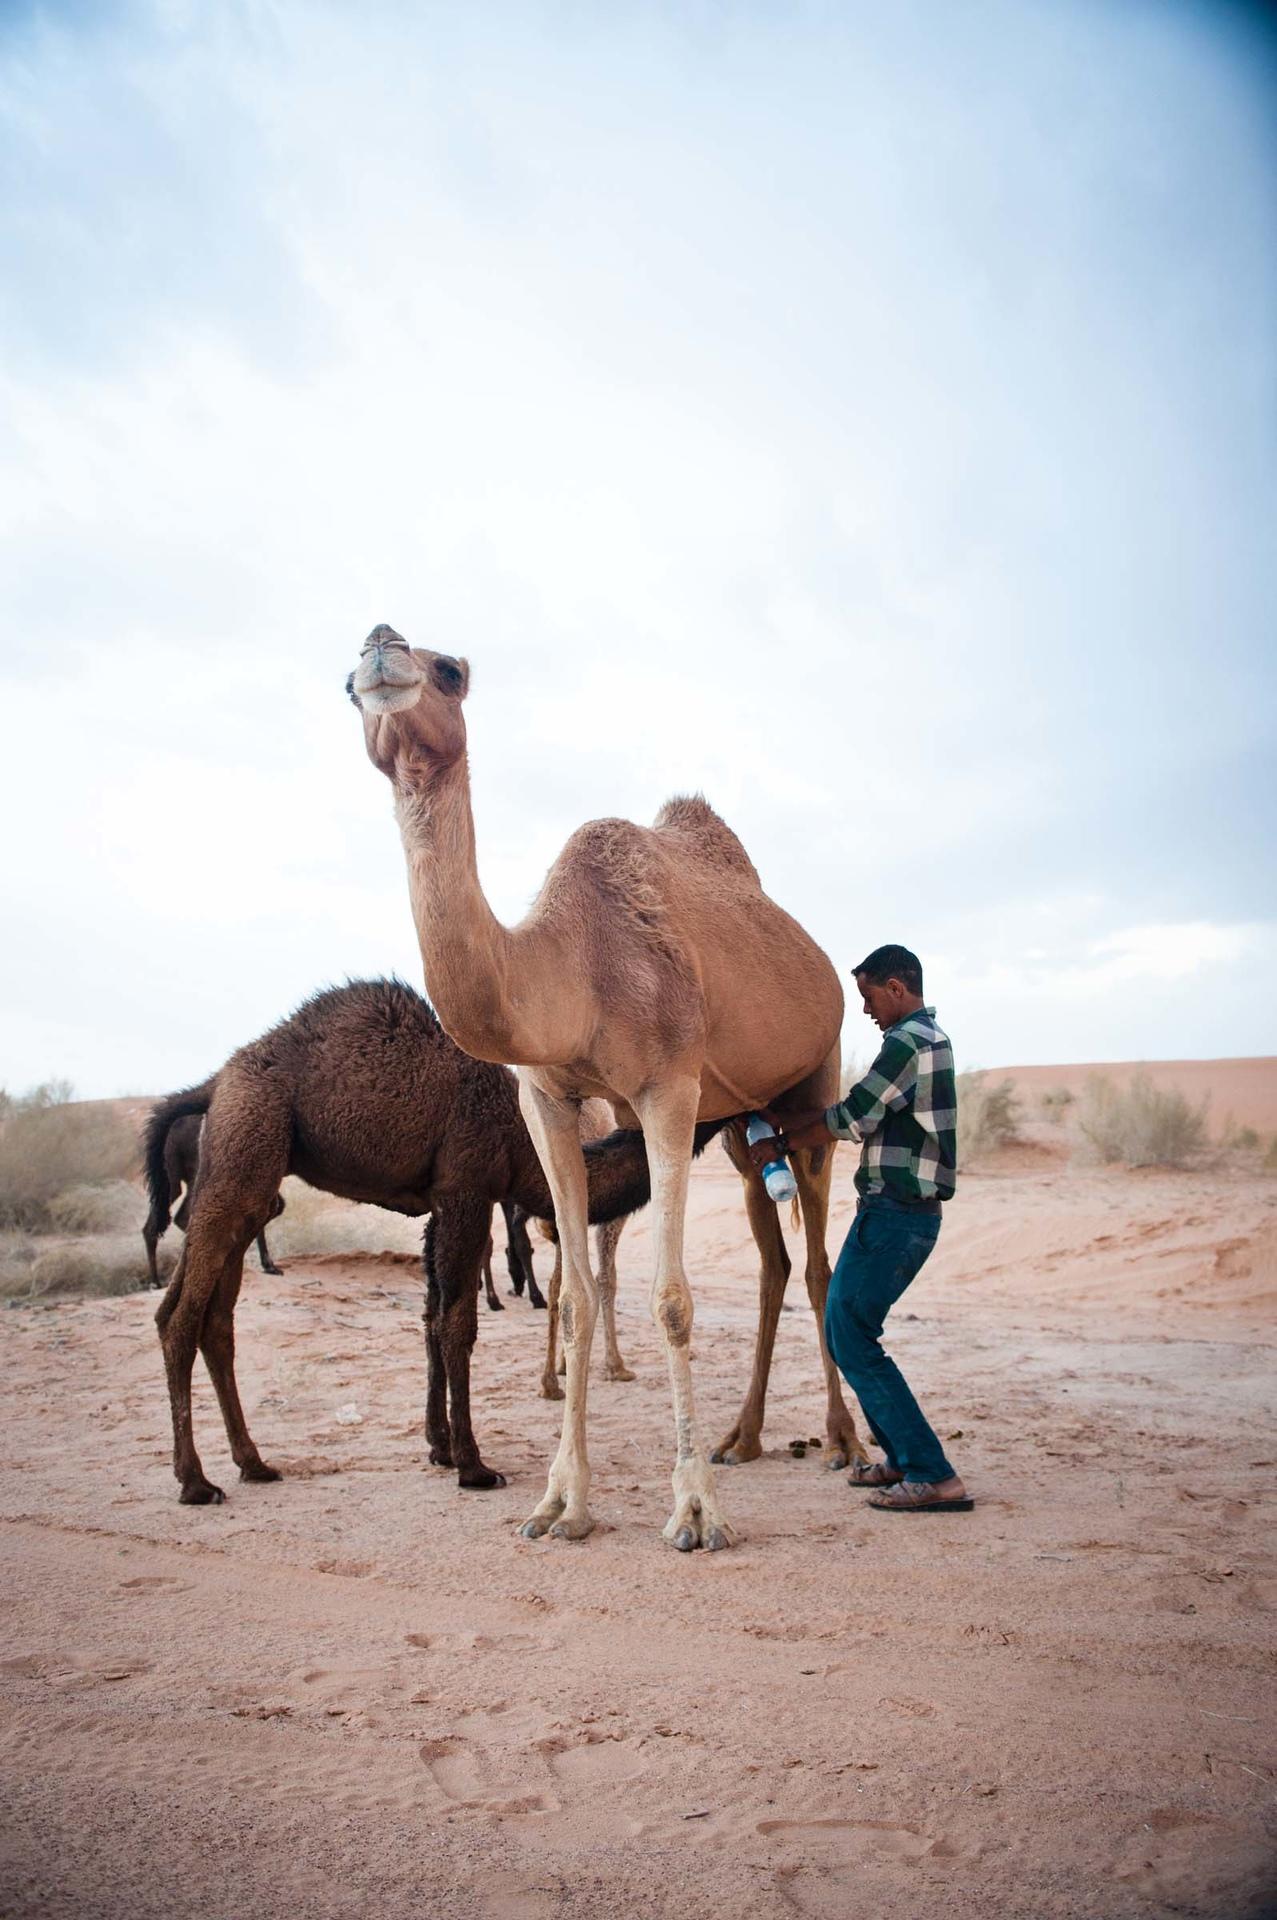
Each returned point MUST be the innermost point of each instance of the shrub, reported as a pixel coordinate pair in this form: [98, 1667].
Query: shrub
[1244, 1138]
[1055, 1103]
[1141, 1125]
[111, 1208]
[988, 1115]
[49, 1145]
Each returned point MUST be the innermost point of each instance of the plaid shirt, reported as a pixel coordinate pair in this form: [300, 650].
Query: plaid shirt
[905, 1111]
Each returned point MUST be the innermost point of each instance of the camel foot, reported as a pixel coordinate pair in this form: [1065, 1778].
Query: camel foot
[440, 1455]
[535, 1297]
[200, 1493]
[689, 1527]
[550, 1388]
[562, 1367]
[618, 1372]
[480, 1478]
[277, 1271]
[565, 1519]
[495, 1305]
[574, 1526]
[842, 1452]
[735, 1448]
[258, 1470]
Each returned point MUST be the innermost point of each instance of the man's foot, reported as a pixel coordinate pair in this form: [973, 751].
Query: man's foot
[873, 1473]
[923, 1496]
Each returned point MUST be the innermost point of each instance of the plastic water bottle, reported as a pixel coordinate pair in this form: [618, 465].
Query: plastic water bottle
[778, 1180]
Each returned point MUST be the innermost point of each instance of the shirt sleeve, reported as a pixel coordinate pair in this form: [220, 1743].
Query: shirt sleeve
[888, 1084]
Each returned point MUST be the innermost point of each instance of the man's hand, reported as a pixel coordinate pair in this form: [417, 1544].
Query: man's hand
[807, 1128]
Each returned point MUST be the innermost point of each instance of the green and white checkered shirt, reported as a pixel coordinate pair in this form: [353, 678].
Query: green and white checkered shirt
[905, 1111]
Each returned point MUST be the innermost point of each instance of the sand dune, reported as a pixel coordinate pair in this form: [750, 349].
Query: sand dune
[1246, 1090]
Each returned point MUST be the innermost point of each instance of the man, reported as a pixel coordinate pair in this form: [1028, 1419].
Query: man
[904, 1114]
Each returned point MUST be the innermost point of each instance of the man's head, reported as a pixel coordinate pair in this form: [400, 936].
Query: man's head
[890, 983]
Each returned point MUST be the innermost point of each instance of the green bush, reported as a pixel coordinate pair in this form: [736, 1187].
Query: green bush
[1140, 1124]
[988, 1115]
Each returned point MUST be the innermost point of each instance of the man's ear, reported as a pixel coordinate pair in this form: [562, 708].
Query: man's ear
[450, 676]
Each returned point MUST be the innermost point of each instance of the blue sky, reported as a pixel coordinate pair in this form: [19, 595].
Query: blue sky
[863, 414]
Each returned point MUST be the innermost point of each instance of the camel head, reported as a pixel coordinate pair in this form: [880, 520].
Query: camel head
[410, 700]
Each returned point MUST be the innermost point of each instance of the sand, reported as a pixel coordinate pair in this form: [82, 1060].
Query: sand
[358, 1692]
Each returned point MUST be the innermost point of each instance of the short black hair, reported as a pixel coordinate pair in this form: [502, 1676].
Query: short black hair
[892, 963]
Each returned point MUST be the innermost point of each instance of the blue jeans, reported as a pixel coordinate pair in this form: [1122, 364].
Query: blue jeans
[883, 1252]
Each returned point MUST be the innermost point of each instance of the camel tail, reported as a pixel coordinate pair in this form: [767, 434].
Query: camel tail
[154, 1140]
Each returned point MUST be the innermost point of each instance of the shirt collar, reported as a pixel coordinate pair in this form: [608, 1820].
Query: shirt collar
[930, 1012]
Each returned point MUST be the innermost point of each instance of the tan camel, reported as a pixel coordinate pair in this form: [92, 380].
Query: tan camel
[651, 971]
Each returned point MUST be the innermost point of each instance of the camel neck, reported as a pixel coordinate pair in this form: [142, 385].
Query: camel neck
[465, 950]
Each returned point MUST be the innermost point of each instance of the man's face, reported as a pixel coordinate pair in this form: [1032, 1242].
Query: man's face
[884, 1004]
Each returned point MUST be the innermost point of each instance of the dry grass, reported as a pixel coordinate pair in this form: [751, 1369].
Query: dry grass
[49, 1146]
[102, 1263]
[988, 1115]
[1140, 1124]
[115, 1207]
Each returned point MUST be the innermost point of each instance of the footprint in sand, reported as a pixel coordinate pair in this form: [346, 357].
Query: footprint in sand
[475, 1779]
[846, 1842]
[155, 1583]
[596, 1761]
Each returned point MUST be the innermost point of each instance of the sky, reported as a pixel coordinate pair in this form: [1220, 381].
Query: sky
[863, 415]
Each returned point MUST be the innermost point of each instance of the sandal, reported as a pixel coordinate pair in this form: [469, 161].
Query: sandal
[873, 1473]
[920, 1496]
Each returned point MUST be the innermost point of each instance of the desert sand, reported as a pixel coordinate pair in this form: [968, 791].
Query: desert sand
[359, 1692]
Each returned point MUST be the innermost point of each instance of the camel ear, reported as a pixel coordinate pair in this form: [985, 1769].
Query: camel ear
[450, 676]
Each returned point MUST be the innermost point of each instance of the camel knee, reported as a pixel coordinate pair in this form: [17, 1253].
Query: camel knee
[673, 1311]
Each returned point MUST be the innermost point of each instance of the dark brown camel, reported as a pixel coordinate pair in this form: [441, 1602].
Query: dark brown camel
[173, 1162]
[167, 1173]
[360, 1093]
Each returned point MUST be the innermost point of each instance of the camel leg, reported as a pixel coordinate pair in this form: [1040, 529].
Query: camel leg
[556, 1134]
[151, 1240]
[217, 1344]
[606, 1239]
[550, 1388]
[438, 1438]
[244, 1153]
[518, 1254]
[814, 1173]
[490, 1292]
[667, 1115]
[744, 1440]
[180, 1320]
[461, 1229]
[179, 1317]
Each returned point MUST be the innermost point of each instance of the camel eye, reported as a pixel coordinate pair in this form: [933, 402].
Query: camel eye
[448, 676]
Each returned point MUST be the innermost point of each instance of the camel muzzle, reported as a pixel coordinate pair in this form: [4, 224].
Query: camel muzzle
[387, 678]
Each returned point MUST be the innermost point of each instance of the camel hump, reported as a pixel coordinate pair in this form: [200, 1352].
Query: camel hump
[691, 817]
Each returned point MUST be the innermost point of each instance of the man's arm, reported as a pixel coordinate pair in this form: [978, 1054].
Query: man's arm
[886, 1086]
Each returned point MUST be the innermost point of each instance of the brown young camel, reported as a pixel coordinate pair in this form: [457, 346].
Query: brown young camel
[172, 1161]
[652, 971]
[362, 1094]
[175, 1168]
